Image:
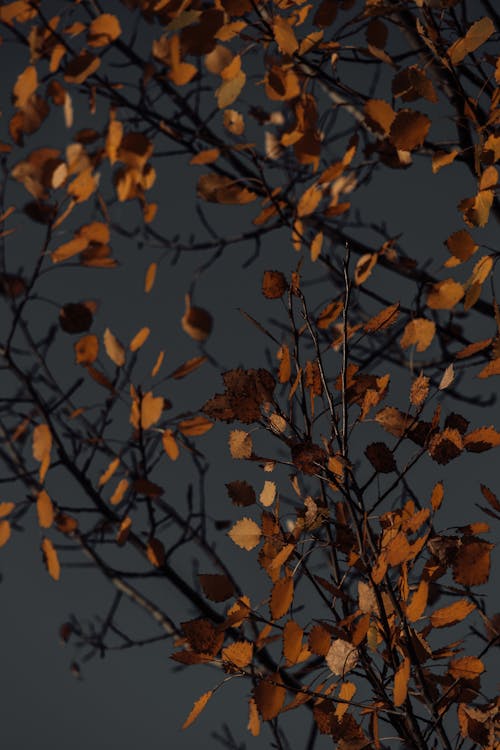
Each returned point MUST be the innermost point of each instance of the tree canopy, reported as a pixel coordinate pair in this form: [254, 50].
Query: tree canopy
[273, 121]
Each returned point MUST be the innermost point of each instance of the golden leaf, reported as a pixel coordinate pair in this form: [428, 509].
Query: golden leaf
[103, 30]
[419, 331]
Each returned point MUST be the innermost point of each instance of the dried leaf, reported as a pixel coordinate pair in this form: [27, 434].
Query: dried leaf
[245, 534]
[419, 331]
[240, 444]
[268, 494]
[342, 656]
[195, 426]
[274, 284]
[216, 587]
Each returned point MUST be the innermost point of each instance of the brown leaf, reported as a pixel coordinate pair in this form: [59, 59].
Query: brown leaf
[481, 440]
[216, 188]
[86, 349]
[75, 318]
[196, 322]
[381, 458]
[216, 587]
[191, 365]
[292, 642]
[233, 122]
[241, 493]
[419, 390]
[471, 566]
[155, 552]
[269, 695]
[281, 597]
[476, 35]
[409, 129]
[81, 67]
[274, 284]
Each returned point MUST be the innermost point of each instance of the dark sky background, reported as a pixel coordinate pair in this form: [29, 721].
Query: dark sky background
[133, 699]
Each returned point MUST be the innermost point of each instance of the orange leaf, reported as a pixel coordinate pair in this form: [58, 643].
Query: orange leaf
[195, 426]
[86, 350]
[452, 614]
[284, 35]
[239, 653]
[155, 552]
[4, 532]
[466, 668]
[346, 694]
[170, 445]
[114, 349]
[149, 279]
[268, 494]
[292, 642]
[197, 709]
[281, 597]
[51, 559]
[419, 331]
[45, 510]
[188, 367]
[382, 320]
[106, 475]
[119, 492]
[6, 508]
[401, 679]
[139, 339]
[103, 30]
[269, 695]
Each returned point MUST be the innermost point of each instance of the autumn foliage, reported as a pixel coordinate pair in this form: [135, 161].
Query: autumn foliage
[284, 111]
